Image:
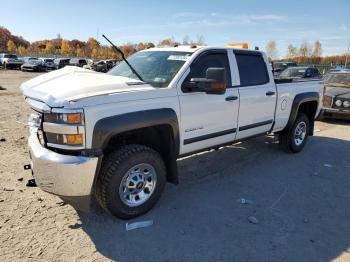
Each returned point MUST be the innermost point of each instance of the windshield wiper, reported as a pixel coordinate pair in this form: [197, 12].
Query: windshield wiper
[124, 59]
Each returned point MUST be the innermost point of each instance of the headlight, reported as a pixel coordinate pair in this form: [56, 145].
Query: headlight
[338, 102]
[346, 104]
[65, 129]
[64, 118]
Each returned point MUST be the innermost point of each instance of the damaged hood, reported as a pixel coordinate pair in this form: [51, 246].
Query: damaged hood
[74, 83]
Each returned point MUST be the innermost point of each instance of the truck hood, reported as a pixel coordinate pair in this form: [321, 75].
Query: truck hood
[70, 83]
[339, 92]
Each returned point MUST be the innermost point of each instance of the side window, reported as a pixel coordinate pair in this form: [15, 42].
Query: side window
[252, 69]
[200, 66]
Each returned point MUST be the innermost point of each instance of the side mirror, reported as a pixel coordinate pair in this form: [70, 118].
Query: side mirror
[213, 83]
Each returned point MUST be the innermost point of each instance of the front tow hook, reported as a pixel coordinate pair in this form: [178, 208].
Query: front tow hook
[31, 182]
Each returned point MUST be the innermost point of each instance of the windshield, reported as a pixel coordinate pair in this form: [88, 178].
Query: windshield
[48, 60]
[157, 68]
[342, 80]
[293, 72]
[11, 56]
[34, 62]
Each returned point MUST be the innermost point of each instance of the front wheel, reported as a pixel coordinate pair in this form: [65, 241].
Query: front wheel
[131, 181]
[294, 139]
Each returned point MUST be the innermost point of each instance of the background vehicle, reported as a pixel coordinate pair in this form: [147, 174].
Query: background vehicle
[48, 63]
[10, 61]
[121, 133]
[61, 62]
[300, 72]
[278, 67]
[77, 62]
[336, 102]
[34, 65]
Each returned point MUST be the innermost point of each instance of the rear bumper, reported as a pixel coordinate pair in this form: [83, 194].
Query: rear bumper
[70, 177]
[335, 113]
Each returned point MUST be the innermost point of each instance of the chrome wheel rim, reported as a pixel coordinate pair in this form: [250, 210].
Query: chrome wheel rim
[138, 185]
[300, 133]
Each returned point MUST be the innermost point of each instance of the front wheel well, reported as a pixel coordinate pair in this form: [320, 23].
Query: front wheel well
[309, 109]
[160, 138]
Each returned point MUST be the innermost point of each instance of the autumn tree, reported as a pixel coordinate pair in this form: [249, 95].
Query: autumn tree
[140, 46]
[271, 50]
[168, 42]
[21, 50]
[49, 48]
[66, 48]
[292, 52]
[149, 45]
[11, 47]
[316, 52]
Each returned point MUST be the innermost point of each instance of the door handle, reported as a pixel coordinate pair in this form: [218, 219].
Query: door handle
[270, 93]
[231, 98]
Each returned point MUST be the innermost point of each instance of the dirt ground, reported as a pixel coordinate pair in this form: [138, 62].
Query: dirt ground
[300, 203]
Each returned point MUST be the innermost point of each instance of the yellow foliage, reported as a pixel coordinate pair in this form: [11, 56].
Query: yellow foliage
[11, 47]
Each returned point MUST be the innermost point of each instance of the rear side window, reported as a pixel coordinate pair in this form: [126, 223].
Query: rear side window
[252, 69]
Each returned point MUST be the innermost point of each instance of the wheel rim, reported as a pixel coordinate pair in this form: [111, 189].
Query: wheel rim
[138, 184]
[300, 133]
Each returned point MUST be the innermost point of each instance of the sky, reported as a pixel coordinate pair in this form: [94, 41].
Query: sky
[219, 22]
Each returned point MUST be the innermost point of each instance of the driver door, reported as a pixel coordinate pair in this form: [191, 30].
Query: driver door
[207, 119]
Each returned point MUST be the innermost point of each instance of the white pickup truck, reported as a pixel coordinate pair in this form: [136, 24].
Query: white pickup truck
[116, 137]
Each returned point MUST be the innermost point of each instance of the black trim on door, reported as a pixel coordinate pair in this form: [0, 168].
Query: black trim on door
[208, 136]
[243, 128]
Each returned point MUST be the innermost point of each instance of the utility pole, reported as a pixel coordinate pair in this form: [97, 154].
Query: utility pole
[346, 57]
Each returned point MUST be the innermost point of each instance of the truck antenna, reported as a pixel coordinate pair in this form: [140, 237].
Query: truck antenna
[123, 57]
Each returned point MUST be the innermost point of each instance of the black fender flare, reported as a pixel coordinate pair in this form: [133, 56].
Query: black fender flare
[299, 100]
[108, 127]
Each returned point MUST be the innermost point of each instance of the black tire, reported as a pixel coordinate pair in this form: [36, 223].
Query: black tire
[113, 169]
[287, 138]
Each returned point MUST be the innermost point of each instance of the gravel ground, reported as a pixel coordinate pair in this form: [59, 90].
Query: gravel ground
[297, 210]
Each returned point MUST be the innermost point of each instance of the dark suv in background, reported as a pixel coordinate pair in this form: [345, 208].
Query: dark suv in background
[77, 62]
[300, 72]
[278, 67]
[61, 62]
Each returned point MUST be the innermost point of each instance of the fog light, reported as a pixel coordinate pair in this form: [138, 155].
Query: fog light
[74, 139]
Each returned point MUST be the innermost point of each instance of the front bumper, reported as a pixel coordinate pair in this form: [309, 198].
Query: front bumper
[335, 113]
[70, 177]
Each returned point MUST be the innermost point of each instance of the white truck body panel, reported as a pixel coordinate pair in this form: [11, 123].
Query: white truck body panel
[199, 114]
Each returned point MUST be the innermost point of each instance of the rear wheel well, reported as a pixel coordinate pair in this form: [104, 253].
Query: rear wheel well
[309, 109]
[160, 138]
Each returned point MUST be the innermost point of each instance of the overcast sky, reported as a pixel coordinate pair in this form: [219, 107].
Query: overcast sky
[220, 22]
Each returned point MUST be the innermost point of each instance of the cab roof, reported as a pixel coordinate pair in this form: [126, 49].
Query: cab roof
[192, 49]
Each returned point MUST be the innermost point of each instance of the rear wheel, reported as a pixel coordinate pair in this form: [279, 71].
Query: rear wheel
[294, 139]
[131, 181]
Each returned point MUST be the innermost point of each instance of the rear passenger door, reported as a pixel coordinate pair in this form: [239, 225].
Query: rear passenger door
[257, 94]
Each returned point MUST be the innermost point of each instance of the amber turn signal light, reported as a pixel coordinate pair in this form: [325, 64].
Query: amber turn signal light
[74, 118]
[74, 139]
